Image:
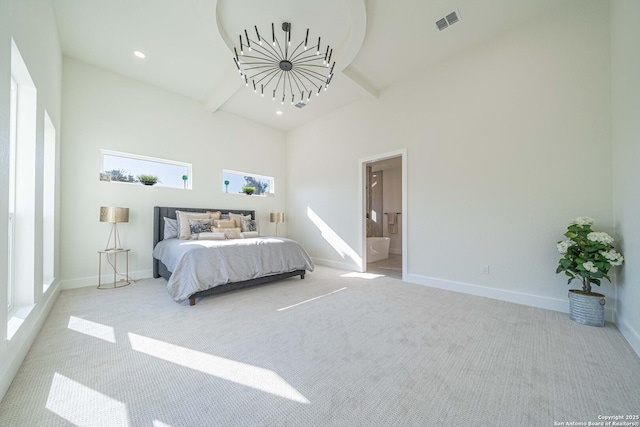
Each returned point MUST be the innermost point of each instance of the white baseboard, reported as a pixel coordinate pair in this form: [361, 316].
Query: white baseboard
[83, 282]
[530, 300]
[336, 264]
[24, 338]
[395, 251]
[631, 335]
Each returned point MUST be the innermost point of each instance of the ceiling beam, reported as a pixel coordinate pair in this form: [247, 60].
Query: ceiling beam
[369, 89]
[223, 90]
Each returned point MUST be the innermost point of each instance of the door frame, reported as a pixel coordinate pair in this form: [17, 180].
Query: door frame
[362, 183]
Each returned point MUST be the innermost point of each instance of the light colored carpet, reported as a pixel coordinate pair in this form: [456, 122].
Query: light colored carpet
[378, 353]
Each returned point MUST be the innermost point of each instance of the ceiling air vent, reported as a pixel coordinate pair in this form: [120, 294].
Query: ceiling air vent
[448, 20]
[300, 104]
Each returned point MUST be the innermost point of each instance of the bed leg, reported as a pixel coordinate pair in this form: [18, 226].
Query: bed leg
[302, 276]
[192, 301]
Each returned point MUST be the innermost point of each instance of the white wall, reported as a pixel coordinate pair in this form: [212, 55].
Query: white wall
[31, 24]
[625, 113]
[103, 110]
[506, 144]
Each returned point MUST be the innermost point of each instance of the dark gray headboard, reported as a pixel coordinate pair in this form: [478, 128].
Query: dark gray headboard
[160, 212]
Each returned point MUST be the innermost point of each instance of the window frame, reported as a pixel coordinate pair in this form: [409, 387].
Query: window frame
[13, 146]
[131, 156]
[271, 179]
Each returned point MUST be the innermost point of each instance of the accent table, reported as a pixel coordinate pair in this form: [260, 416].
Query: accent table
[115, 253]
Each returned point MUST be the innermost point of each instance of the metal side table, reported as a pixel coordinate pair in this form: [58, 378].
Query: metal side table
[115, 253]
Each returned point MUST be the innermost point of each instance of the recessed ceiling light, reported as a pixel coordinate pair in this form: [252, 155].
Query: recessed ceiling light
[139, 54]
[279, 112]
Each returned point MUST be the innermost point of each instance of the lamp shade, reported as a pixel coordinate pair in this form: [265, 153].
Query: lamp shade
[276, 217]
[111, 214]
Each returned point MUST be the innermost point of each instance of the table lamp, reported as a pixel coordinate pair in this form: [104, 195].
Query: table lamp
[276, 217]
[114, 216]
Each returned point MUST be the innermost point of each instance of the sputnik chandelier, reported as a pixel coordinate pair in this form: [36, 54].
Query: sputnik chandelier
[280, 71]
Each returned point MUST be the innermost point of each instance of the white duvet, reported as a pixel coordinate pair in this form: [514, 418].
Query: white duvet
[198, 265]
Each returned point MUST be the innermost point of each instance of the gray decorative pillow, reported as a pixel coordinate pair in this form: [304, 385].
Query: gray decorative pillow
[249, 225]
[200, 225]
[170, 228]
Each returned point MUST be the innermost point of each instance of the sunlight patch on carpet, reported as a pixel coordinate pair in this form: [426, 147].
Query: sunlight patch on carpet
[84, 406]
[368, 276]
[97, 330]
[310, 299]
[240, 373]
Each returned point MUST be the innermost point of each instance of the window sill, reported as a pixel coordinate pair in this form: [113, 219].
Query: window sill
[17, 316]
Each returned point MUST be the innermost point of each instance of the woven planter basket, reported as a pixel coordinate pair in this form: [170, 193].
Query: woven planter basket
[586, 309]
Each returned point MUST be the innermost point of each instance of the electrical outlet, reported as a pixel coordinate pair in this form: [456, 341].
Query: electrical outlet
[484, 269]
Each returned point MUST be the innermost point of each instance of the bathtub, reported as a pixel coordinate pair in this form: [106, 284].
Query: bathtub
[377, 248]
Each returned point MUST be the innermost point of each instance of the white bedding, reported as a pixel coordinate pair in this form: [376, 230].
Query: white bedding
[198, 265]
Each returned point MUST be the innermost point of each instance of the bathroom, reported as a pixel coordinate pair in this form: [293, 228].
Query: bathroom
[384, 217]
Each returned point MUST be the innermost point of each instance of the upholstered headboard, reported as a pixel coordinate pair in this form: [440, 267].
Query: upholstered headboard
[160, 212]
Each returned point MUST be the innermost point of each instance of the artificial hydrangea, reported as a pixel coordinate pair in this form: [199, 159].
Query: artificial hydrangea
[564, 245]
[592, 256]
[613, 257]
[582, 221]
[600, 237]
[590, 267]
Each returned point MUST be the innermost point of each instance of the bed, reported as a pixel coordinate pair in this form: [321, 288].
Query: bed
[197, 268]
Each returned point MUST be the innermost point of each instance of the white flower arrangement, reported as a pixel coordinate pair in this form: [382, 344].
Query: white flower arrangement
[586, 254]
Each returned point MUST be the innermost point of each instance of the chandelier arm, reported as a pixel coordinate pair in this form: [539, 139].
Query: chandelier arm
[293, 56]
[295, 78]
[314, 65]
[298, 76]
[309, 58]
[279, 80]
[290, 85]
[260, 49]
[268, 73]
[280, 48]
[258, 67]
[273, 75]
[310, 81]
[267, 60]
[312, 73]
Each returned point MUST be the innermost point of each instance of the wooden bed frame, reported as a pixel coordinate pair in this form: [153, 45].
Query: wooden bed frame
[161, 270]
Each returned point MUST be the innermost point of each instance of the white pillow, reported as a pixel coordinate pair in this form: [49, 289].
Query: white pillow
[230, 233]
[249, 234]
[211, 236]
[170, 228]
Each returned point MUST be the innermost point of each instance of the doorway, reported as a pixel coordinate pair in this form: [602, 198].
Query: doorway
[384, 225]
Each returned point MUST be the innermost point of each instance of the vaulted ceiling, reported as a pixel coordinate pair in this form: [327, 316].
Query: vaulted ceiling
[189, 43]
